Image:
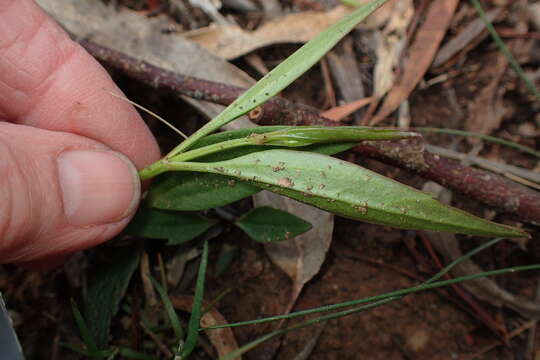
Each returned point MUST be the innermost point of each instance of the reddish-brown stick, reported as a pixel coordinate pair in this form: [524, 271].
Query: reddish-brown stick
[480, 185]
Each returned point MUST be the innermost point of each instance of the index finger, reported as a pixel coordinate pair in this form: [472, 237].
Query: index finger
[49, 81]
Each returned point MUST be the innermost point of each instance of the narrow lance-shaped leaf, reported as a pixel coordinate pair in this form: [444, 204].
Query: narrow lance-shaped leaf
[349, 190]
[200, 191]
[284, 74]
[266, 224]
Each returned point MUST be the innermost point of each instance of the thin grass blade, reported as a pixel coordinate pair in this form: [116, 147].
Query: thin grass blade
[85, 332]
[169, 309]
[196, 311]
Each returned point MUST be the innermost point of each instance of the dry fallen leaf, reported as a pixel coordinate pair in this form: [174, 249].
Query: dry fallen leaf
[470, 33]
[486, 110]
[343, 64]
[390, 44]
[300, 258]
[339, 112]
[420, 55]
[231, 41]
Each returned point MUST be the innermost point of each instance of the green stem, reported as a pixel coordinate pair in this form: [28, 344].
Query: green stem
[164, 164]
[219, 121]
[153, 170]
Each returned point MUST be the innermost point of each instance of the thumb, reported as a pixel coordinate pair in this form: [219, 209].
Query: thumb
[60, 193]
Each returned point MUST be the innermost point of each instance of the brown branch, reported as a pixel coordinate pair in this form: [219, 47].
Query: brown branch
[480, 185]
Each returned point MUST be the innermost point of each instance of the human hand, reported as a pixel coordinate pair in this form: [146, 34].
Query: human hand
[68, 149]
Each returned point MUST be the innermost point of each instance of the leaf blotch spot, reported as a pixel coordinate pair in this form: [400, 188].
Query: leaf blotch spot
[220, 169]
[285, 182]
[361, 208]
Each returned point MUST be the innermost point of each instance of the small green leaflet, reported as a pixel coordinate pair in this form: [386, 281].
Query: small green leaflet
[349, 190]
[177, 227]
[266, 224]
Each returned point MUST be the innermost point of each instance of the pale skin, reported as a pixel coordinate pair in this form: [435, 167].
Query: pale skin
[68, 149]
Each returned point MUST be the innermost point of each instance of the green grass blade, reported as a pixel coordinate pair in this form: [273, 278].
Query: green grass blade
[196, 311]
[169, 309]
[250, 346]
[132, 354]
[349, 190]
[493, 139]
[402, 292]
[284, 74]
[86, 334]
[310, 322]
[504, 49]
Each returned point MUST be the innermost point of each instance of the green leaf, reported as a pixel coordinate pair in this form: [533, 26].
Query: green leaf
[109, 276]
[310, 135]
[194, 192]
[225, 258]
[266, 224]
[177, 227]
[235, 134]
[190, 191]
[349, 190]
[86, 333]
[319, 139]
[284, 74]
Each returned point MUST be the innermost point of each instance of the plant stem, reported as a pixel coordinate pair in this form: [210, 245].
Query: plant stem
[164, 164]
[153, 170]
[212, 149]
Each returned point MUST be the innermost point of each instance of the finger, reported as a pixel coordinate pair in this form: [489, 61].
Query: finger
[60, 193]
[50, 82]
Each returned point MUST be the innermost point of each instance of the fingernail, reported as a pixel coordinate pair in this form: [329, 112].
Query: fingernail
[98, 187]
